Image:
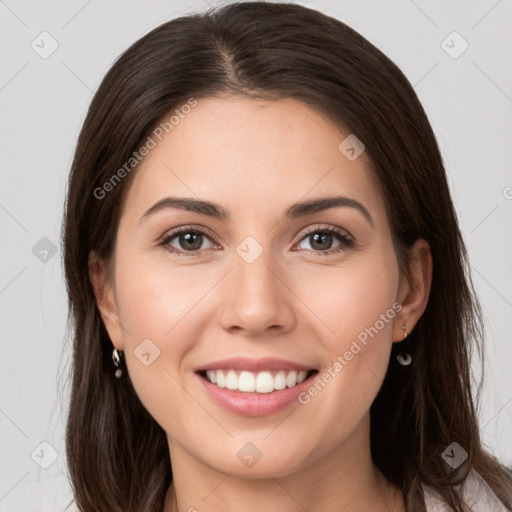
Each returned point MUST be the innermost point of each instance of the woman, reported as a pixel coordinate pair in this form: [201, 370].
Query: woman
[267, 282]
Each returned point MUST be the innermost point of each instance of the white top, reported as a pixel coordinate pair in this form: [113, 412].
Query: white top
[477, 495]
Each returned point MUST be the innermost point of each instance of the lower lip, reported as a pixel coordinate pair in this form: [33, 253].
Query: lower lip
[254, 404]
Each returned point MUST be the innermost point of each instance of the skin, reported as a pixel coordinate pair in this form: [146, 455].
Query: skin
[256, 158]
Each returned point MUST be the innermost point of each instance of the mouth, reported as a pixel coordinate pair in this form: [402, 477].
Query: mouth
[255, 387]
[266, 381]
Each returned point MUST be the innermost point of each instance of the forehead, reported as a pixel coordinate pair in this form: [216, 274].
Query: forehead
[251, 155]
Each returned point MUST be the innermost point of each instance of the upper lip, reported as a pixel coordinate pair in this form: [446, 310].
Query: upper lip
[254, 365]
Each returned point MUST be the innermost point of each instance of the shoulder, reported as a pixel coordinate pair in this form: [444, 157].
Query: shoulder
[476, 493]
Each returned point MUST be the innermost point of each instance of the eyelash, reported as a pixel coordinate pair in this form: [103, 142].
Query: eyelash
[344, 238]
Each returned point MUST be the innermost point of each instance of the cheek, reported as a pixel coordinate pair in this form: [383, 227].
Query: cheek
[358, 309]
[351, 302]
[157, 300]
[157, 307]
[157, 342]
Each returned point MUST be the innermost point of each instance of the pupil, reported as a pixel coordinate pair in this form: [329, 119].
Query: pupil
[187, 241]
[320, 237]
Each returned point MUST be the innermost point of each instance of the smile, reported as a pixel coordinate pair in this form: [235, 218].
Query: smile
[254, 387]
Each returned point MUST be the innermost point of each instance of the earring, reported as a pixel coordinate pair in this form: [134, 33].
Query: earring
[116, 358]
[404, 358]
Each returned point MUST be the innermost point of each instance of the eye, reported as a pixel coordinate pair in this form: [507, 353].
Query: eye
[186, 241]
[321, 240]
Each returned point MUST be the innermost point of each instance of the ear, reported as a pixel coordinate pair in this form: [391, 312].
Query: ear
[104, 292]
[415, 290]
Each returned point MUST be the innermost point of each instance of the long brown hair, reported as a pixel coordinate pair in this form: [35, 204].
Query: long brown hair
[117, 454]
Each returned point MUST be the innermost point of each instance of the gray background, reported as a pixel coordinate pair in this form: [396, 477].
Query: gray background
[43, 104]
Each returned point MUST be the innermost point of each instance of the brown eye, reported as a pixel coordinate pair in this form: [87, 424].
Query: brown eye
[322, 239]
[190, 240]
[186, 242]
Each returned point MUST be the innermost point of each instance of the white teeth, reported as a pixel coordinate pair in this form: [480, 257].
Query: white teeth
[280, 380]
[231, 380]
[221, 379]
[262, 382]
[291, 379]
[301, 376]
[246, 382]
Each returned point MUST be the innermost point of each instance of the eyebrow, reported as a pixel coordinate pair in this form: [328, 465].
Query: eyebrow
[299, 209]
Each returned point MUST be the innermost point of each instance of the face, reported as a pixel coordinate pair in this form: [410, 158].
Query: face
[278, 292]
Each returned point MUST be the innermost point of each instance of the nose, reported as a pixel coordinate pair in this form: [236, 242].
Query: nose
[257, 298]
